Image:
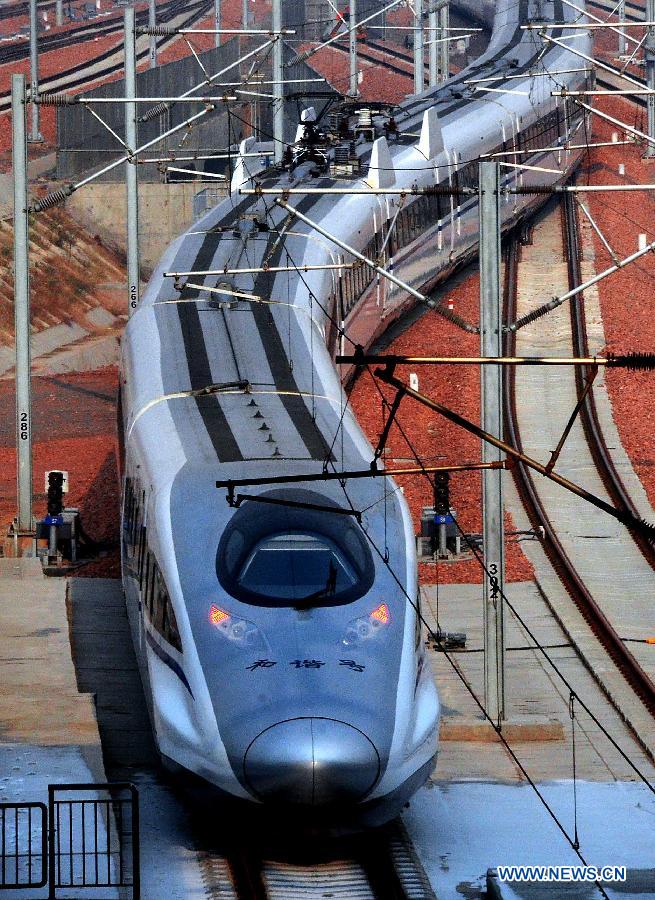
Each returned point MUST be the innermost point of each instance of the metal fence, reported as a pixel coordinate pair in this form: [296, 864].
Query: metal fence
[84, 144]
[23, 845]
[207, 199]
[86, 839]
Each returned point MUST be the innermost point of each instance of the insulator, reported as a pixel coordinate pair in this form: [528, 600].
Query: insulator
[455, 319]
[436, 190]
[300, 57]
[58, 99]
[634, 361]
[641, 526]
[535, 314]
[342, 153]
[53, 199]
[158, 31]
[154, 112]
[365, 118]
[537, 189]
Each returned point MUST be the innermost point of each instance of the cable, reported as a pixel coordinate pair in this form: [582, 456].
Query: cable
[573, 842]
[523, 624]
[342, 331]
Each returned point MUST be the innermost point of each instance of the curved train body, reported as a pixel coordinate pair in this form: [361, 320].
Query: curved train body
[279, 641]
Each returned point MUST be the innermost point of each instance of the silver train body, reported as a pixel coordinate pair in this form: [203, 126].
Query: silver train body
[279, 645]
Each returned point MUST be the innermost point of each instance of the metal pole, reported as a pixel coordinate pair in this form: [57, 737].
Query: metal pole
[622, 44]
[419, 59]
[152, 23]
[59, 12]
[492, 422]
[444, 46]
[649, 54]
[35, 135]
[217, 22]
[131, 169]
[22, 305]
[244, 15]
[352, 40]
[278, 86]
[435, 34]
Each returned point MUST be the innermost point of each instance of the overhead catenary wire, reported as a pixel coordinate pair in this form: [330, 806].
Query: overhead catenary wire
[382, 556]
[571, 841]
[492, 723]
[537, 644]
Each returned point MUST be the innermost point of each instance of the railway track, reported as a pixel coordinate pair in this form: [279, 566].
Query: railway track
[111, 61]
[376, 60]
[633, 11]
[372, 866]
[96, 28]
[397, 59]
[567, 551]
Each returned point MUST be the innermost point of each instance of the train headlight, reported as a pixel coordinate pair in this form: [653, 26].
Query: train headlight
[366, 627]
[237, 630]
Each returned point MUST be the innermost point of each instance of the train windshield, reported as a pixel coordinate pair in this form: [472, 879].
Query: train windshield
[294, 555]
[297, 567]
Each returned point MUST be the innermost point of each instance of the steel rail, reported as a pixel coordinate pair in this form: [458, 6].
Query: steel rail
[589, 412]
[57, 41]
[79, 74]
[554, 549]
[381, 865]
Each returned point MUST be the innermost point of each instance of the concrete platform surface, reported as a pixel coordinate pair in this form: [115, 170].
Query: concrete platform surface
[461, 823]
[534, 693]
[461, 830]
[40, 702]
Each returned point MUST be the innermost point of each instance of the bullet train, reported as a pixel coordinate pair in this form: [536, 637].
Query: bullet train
[277, 634]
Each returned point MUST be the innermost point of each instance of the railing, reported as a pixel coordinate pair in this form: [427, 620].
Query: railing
[206, 199]
[86, 838]
[23, 845]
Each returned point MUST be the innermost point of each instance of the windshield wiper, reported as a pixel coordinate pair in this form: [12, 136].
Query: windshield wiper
[325, 593]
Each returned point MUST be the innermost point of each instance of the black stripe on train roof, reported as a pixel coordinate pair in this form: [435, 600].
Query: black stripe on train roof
[196, 352]
[195, 348]
[413, 107]
[207, 250]
[276, 355]
[220, 434]
[214, 419]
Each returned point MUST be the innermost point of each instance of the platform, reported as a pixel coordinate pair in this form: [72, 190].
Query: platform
[533, 692]
[40, 703]
[463, 822]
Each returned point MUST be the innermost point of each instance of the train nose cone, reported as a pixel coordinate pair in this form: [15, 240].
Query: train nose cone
[312, 762]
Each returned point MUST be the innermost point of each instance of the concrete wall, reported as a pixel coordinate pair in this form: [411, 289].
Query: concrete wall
[165, 210]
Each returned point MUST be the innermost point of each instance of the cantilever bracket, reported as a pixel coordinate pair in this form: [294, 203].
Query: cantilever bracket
[589, 380]
[372, 472]
[238, 499]
[623, 516]
[392, 415]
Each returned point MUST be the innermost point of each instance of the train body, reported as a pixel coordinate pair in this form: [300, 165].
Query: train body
[278, 639]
